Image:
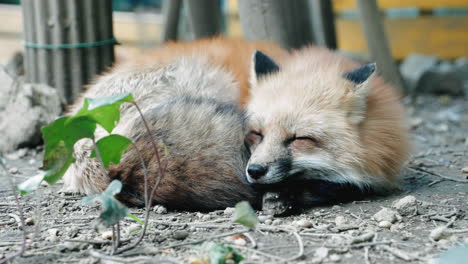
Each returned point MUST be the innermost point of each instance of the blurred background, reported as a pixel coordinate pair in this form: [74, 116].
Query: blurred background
[430, 27]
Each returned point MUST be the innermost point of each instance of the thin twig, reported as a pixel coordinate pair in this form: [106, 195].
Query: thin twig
[251, 238]
[259, 252]
[233, 233]
[152, 259]
[397, 253]
[300, 254]
[436, 174]
[366, 255]
[148, 199]
[20, 209]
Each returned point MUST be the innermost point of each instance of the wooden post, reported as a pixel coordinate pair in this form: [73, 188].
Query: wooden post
[323, 22]
[284, 22]
[171, 11]
[67, 42]
[204, 17]
[377, 42]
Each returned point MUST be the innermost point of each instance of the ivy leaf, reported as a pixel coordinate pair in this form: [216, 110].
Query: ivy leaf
[112, 210]
[457, 254]
[31, 184]
[104, 110]
[111, 149]
[219, 253]
[245, 215]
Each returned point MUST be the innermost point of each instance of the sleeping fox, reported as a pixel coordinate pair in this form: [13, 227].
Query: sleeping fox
[315, 125]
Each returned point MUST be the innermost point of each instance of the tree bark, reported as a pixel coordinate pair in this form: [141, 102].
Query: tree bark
[323, 23]
[171, 12]
[204, 17]
[377, 42]
[284, 22]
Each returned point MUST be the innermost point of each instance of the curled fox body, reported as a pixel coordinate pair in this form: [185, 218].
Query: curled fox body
[315, 126]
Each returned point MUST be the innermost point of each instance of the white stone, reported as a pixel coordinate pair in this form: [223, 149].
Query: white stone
[385, 214]
[385, 224]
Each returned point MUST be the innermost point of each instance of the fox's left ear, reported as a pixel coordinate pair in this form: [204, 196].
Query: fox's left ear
[360, 77]
[261, 65]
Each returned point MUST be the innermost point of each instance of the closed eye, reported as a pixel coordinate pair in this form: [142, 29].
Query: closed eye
[314, 140]
[253, 132]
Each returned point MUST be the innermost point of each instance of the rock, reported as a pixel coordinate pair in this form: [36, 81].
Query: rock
[406, 206]
[17, 154]
[385, 214]
[24, 109]
[159, 209]
[69, 246]
[340, 220]
[268, 222]
[414, 66]
[52, 235]
[229, 211]
[385, 224]
[445, 78]
[303, 223]
[13, 170]
[180, 234]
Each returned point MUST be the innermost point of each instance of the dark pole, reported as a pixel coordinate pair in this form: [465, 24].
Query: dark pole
[205, 17]
[323, 21]
[171, 12]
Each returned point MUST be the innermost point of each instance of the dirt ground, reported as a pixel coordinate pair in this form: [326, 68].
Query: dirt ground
[344, 233]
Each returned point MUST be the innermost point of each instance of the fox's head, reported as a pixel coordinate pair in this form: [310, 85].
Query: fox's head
[304, 120]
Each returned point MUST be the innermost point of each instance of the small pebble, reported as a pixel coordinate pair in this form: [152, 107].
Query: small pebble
[321, 253]
[29, 221]
[159, 209]
[106, 235]
[180, 234]
[229, 211]
[263, 218]
[206, 217]
[386, 214]
[335, 257]
[240, 242]
[406, 205]
[303, 223]
[340, 220]
[268, 222]
[439, 233]
[13, 170]
[385, 224]
[133, 227]
[277, 222]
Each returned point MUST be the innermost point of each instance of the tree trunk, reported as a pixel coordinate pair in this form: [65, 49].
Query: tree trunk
[377, 42]
[323, 22]
[171, 12]
[284, 22]
[204, 17]
[67, 42]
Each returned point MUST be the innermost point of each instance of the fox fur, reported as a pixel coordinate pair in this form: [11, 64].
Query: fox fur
[308, 122]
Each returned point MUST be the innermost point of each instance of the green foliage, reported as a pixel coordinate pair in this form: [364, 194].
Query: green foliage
[138, 220]
[245, 215]
[219, 253]
[112, 210]
[61, 135]
[111, 149]
[455, 255]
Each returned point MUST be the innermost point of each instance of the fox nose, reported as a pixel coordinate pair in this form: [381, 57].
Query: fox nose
[256, 171]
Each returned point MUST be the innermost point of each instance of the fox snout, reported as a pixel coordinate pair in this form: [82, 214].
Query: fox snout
[256, 171]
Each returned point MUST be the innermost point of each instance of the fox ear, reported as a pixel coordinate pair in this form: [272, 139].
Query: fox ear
[261, 66]
[360, 77]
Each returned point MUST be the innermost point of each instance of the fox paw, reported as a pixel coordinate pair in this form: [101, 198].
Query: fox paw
[276, 204]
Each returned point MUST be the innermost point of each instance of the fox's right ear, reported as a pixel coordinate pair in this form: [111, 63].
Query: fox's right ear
[261, 65]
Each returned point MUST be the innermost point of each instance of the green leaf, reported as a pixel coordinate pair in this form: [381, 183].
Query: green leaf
[112, 210]
[104, 110]
[111, 149]
[31, 184]
[219, 253]
[457, 254]
[245, 215]
[138, 220]
[59, 138]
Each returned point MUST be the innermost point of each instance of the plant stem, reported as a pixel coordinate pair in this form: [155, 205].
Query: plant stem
[20, 210]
